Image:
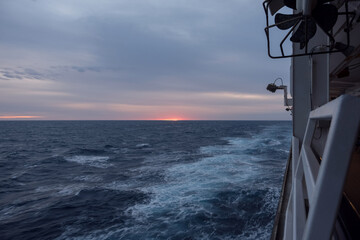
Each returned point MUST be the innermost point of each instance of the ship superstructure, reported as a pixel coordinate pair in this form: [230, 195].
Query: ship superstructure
[321, 191]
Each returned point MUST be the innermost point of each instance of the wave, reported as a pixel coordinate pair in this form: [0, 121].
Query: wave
[143, 145]
[47, 221]
[93, 161]
[86, 151]
[197, 185]
[225, 195]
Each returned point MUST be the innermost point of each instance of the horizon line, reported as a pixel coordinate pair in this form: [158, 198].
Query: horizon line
[150, 120]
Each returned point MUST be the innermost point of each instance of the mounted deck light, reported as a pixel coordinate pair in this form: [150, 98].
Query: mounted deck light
[271, 87]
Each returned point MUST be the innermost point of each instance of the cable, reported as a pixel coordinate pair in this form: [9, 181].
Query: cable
[279, 78]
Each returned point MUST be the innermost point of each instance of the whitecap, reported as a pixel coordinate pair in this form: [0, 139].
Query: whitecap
[94, 161]
[143, 145]
[191, 188]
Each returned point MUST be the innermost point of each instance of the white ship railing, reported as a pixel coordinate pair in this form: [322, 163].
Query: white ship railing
[321, 185]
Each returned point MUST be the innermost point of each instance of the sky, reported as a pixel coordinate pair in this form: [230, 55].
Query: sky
[137, 60]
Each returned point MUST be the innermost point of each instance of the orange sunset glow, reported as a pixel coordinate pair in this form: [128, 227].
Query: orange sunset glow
[19, 117]
[172, 119]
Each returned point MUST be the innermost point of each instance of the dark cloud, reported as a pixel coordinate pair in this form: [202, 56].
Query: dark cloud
[21, 73]
[84, 69]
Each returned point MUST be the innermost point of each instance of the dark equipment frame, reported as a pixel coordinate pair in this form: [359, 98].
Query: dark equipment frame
[331, 48]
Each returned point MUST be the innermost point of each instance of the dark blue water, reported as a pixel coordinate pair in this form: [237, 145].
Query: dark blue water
[140, 179]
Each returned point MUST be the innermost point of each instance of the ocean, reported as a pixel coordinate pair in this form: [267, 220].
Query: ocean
[141, 179]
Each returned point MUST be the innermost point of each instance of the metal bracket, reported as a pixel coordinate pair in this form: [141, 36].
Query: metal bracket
[330, 48]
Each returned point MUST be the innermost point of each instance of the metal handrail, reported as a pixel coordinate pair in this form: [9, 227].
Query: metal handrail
[323, 182]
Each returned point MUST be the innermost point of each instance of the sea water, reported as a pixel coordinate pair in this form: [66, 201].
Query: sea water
[141, 179]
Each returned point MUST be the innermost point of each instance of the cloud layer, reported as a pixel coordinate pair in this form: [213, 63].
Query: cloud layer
[136, 59]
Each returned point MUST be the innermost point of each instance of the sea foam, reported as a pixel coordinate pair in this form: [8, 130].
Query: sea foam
[93, 161]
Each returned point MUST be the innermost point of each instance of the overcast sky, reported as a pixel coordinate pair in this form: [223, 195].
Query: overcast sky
[137, 59]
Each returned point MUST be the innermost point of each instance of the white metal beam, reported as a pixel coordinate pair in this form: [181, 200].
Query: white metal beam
[324, 183]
